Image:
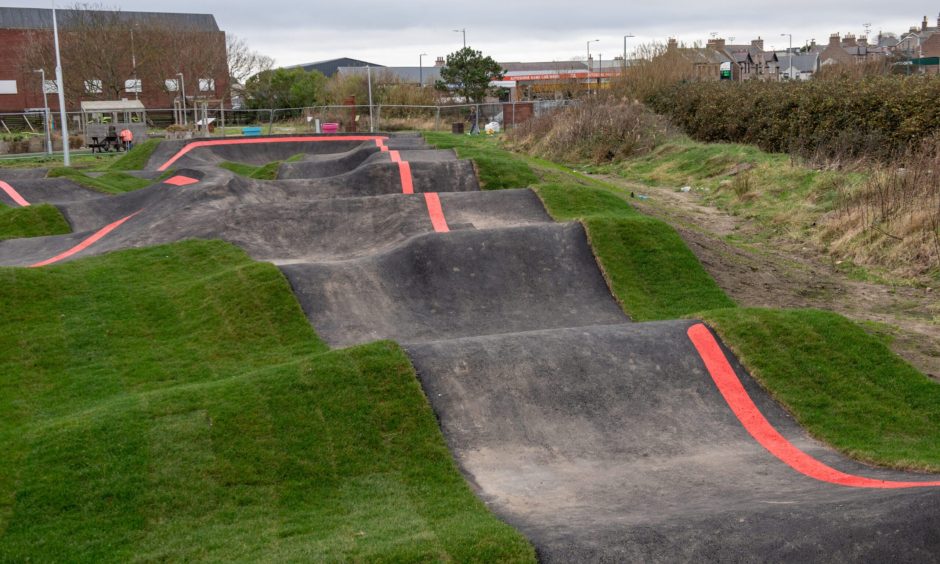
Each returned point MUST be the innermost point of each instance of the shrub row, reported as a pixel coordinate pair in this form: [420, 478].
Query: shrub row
[875, 117]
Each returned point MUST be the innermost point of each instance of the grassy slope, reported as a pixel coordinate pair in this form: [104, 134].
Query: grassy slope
[846, 387]
[136, 158]
[785, 198]
[264, 172]
[31, 221]
[648, 266]
[841, 383]
[173, 403]
[108, 183]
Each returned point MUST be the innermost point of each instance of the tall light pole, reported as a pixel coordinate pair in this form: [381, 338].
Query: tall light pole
[45, 109]
[182, 89]
[60, 86]
[589, 41]
[421, 67]
[625, 48]
[134, 64]
[464, 32]
[789, 54]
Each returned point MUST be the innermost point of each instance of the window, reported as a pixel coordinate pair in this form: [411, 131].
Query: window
[49, 87]
[7, 87]
[207, 85]
[133, 85]
[93, 86]
[171, 84]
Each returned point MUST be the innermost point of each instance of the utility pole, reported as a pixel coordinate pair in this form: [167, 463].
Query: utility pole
[182, 85]
[789, 54]
[60, 86]
[371, 121]
[625, 48]
[421, 68]
[45, 109]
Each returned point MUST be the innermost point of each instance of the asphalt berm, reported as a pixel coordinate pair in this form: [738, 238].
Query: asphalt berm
[600, 439]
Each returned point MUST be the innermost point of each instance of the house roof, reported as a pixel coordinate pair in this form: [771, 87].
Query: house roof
[807, 62]
[41, 18]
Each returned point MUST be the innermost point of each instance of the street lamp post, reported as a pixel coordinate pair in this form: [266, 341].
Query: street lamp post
[182, 89]
[45, 110]
[60, 86]
[589, 41]
[464, 32]
[789, 54]
[625, 48]
[134, 65]
[421, 67]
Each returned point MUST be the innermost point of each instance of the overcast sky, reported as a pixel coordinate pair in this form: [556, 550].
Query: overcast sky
[395, 33]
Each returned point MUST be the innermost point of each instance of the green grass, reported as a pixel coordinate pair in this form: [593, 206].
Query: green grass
[784, 197]
[845, 386]
[648, 266]
[136, 158]
[173, 403]
[108, 183]
[264, 172]
[496, 168]
[32, 221]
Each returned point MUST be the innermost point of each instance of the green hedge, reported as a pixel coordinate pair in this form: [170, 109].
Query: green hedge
[872, 117]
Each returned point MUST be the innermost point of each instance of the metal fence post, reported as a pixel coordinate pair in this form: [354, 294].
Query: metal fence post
[437, 119]
[271, 122]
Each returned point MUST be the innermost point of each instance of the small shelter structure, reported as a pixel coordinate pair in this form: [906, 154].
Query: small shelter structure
[97, 116]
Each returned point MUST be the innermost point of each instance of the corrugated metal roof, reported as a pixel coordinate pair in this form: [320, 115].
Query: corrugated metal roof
[112, 106]
[41, 18]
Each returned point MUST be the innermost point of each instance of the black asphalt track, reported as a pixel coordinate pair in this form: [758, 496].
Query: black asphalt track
[600, 439]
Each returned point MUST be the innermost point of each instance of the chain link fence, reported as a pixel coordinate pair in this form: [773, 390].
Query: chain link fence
[25, 133]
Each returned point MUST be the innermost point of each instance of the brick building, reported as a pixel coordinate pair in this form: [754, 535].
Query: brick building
[191, 44]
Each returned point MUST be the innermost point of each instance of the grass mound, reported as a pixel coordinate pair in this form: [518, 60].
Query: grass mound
[496, 168]
[845, 386]
[31, 221]
[108, 183]
[136, 158]
[651, 271]
[173, 403]
[264, 172]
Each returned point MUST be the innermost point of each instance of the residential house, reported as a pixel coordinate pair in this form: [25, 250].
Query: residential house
[799, 66]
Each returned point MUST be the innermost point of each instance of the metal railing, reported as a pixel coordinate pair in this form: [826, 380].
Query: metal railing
[25, 132]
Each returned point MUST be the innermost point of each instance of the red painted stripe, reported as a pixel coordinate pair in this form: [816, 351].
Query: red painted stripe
[180, 180]
[763, 432]
[13, 194]
[404, 171]
[254, 141]
[87, 242]
[438, 220]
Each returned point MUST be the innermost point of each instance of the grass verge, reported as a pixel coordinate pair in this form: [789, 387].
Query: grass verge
[496, 168]
[650, 270]
[173, 403]
[108, 183]
[843, 385]
[31, 221]
[136, 158]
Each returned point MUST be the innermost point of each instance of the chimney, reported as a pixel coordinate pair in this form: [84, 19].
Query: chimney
[863, 42]
[923, 24]
[835, 40]
[850, 40]
[672, 45]
[812, 43]
[439, 62]
[716, 43]
[759, 43]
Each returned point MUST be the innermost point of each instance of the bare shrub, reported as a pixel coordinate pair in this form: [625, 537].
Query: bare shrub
[596, 130]
[894, 218]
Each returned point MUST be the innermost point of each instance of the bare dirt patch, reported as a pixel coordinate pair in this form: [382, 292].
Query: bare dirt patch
[761, 273]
